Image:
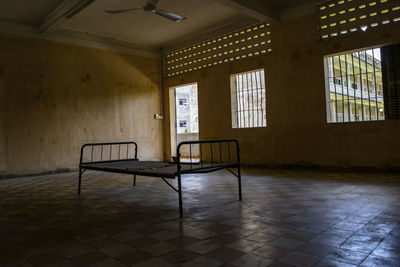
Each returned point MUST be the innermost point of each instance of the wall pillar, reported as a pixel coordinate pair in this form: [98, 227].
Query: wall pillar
[3, 143]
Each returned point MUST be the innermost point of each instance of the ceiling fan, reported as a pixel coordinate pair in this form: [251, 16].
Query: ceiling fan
[150, 6]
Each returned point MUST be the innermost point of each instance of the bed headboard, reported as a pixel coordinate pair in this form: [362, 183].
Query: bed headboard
[108, 152]
[212, 152]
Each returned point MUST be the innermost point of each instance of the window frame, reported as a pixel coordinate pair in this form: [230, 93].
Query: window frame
[240, 117]
[182, 102]
[371, 90]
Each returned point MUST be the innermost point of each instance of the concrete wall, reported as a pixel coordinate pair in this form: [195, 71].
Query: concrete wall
[2, 128]
[297, 132]
[56, 97]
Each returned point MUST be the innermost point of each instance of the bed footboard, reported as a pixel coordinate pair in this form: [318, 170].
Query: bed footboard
[210, 155]
[106, 152]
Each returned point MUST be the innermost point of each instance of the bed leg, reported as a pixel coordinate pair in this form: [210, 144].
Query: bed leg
[180, 196]
[79, 182]
[134, 180]
[240, 183]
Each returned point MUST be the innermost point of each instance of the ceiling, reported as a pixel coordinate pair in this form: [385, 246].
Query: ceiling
[138, 29]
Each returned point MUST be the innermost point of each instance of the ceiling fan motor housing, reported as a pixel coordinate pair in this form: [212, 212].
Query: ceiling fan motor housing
[150, 6]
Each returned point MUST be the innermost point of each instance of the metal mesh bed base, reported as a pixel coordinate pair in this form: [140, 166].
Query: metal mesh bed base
[129, 164]
[155, 168]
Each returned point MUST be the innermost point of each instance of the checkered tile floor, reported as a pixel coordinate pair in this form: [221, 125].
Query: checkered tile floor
[287, 218]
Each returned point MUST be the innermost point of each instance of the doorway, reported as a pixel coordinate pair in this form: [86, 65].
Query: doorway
[184, 115]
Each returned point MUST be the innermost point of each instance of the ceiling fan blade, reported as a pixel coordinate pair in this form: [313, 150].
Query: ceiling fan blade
[121, 10]
[168, 15]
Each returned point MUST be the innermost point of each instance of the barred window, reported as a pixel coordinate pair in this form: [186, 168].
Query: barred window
[248, 99]
[354, 87]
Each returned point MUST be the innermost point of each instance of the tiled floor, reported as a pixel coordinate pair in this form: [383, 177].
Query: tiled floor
[287, 217]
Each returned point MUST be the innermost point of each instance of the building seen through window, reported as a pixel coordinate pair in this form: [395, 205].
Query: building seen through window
[187, 109]
[182, 124]
[182, 101]
[354, 86]
[248, 100]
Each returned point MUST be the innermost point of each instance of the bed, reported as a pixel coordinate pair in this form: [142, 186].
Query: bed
[191, 157]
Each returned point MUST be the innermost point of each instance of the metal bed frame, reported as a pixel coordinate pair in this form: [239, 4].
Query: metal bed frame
[213, 155]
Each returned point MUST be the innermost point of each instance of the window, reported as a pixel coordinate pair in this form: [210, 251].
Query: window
[248, 100]
[359, 96]
[182, 124]
[182, 102]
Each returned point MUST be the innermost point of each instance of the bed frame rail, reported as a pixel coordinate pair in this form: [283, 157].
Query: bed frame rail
[209, 153]
[108, 152]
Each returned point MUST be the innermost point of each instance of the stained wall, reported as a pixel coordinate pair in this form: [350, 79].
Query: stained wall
[297, 132]
[56, 97]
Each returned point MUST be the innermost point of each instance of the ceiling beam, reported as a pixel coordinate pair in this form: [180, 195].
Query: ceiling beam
[257, 9]
[104, 42]
[21, 28]
[66, 10]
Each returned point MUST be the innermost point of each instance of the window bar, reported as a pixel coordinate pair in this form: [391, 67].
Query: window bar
[258, 117]
[245, 104]
[341, 81]
[334, 84]
[250, 90]
[127, 150]
[376, 88]
[354, 89]
[257, 97]
[119, 150]
[265, 97]
[110, 151]
[262, 97]
[237, 102]
[366, 75]
[242, 97]
[242, 100]
[248, 100]
[262, 111]
[362, 86]
[252, 97]
[347, 86]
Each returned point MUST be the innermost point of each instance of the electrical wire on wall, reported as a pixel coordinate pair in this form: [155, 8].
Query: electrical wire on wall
[160, 115]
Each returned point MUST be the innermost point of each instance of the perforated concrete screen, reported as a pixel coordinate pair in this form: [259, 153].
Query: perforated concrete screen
[251, 41]
[340, 17]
